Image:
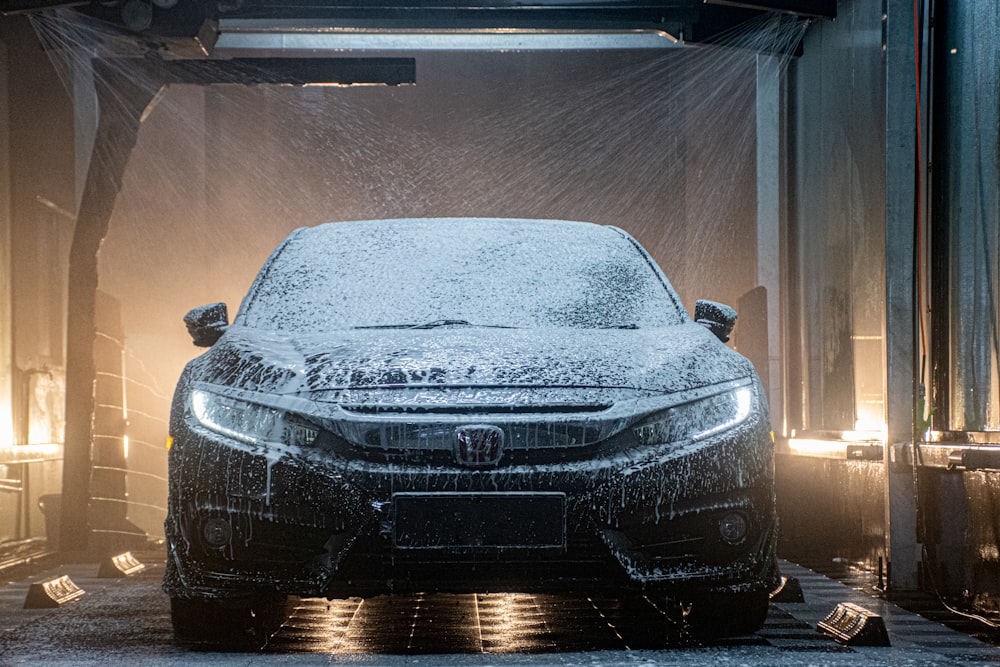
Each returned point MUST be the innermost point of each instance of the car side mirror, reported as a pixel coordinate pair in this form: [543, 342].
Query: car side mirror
[717, 317]
[207, 323]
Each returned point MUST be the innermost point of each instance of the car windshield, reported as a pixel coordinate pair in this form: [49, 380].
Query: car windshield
[458, 272]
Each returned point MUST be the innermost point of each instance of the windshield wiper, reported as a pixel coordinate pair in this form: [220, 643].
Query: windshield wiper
[384, 326]
[442, 323]
[435, 324]
[428, 325]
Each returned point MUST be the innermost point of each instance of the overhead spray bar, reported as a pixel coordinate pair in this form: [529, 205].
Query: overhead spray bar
[242, 37]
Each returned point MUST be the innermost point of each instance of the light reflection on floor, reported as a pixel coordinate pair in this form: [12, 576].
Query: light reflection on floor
[474, 623]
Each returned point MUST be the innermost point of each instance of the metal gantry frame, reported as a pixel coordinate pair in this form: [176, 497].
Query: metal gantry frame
[123, 94]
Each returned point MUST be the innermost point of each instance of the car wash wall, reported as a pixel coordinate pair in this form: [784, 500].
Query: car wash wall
[888, 460]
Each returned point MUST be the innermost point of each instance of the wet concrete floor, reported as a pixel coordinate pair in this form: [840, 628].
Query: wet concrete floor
[128, 620]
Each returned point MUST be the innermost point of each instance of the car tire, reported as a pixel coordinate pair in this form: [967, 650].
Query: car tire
[229, 623]
[727, 614]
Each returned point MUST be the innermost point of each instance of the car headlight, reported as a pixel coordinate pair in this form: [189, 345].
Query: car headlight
[250, 422]
[698, 419]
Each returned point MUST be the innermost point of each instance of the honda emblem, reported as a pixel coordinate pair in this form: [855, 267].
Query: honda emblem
[478, 445]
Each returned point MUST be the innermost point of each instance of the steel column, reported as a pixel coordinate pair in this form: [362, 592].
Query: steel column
[900, 323]
[6, 321]
[769, 198]
[120, 105]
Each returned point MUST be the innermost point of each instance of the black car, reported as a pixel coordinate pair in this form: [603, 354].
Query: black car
[467, 405]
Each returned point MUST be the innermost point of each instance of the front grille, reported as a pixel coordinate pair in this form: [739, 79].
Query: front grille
[528, 449]
[497, 409]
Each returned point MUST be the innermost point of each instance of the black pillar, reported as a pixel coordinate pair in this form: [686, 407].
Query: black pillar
[121, 100]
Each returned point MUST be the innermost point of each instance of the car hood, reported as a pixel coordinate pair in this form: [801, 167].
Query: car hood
[662, 360]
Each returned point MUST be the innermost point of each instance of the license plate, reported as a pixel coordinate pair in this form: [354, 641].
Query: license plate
[479, 520]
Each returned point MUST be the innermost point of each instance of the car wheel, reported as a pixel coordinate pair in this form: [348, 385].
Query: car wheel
[727, 614]
[238, 624]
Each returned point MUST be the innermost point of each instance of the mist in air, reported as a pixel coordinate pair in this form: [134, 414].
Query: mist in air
[661, 144]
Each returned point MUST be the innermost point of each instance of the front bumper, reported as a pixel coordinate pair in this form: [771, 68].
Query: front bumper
[323, 524]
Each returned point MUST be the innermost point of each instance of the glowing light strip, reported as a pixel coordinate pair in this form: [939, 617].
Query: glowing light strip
[815, 447]
[244, 36]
